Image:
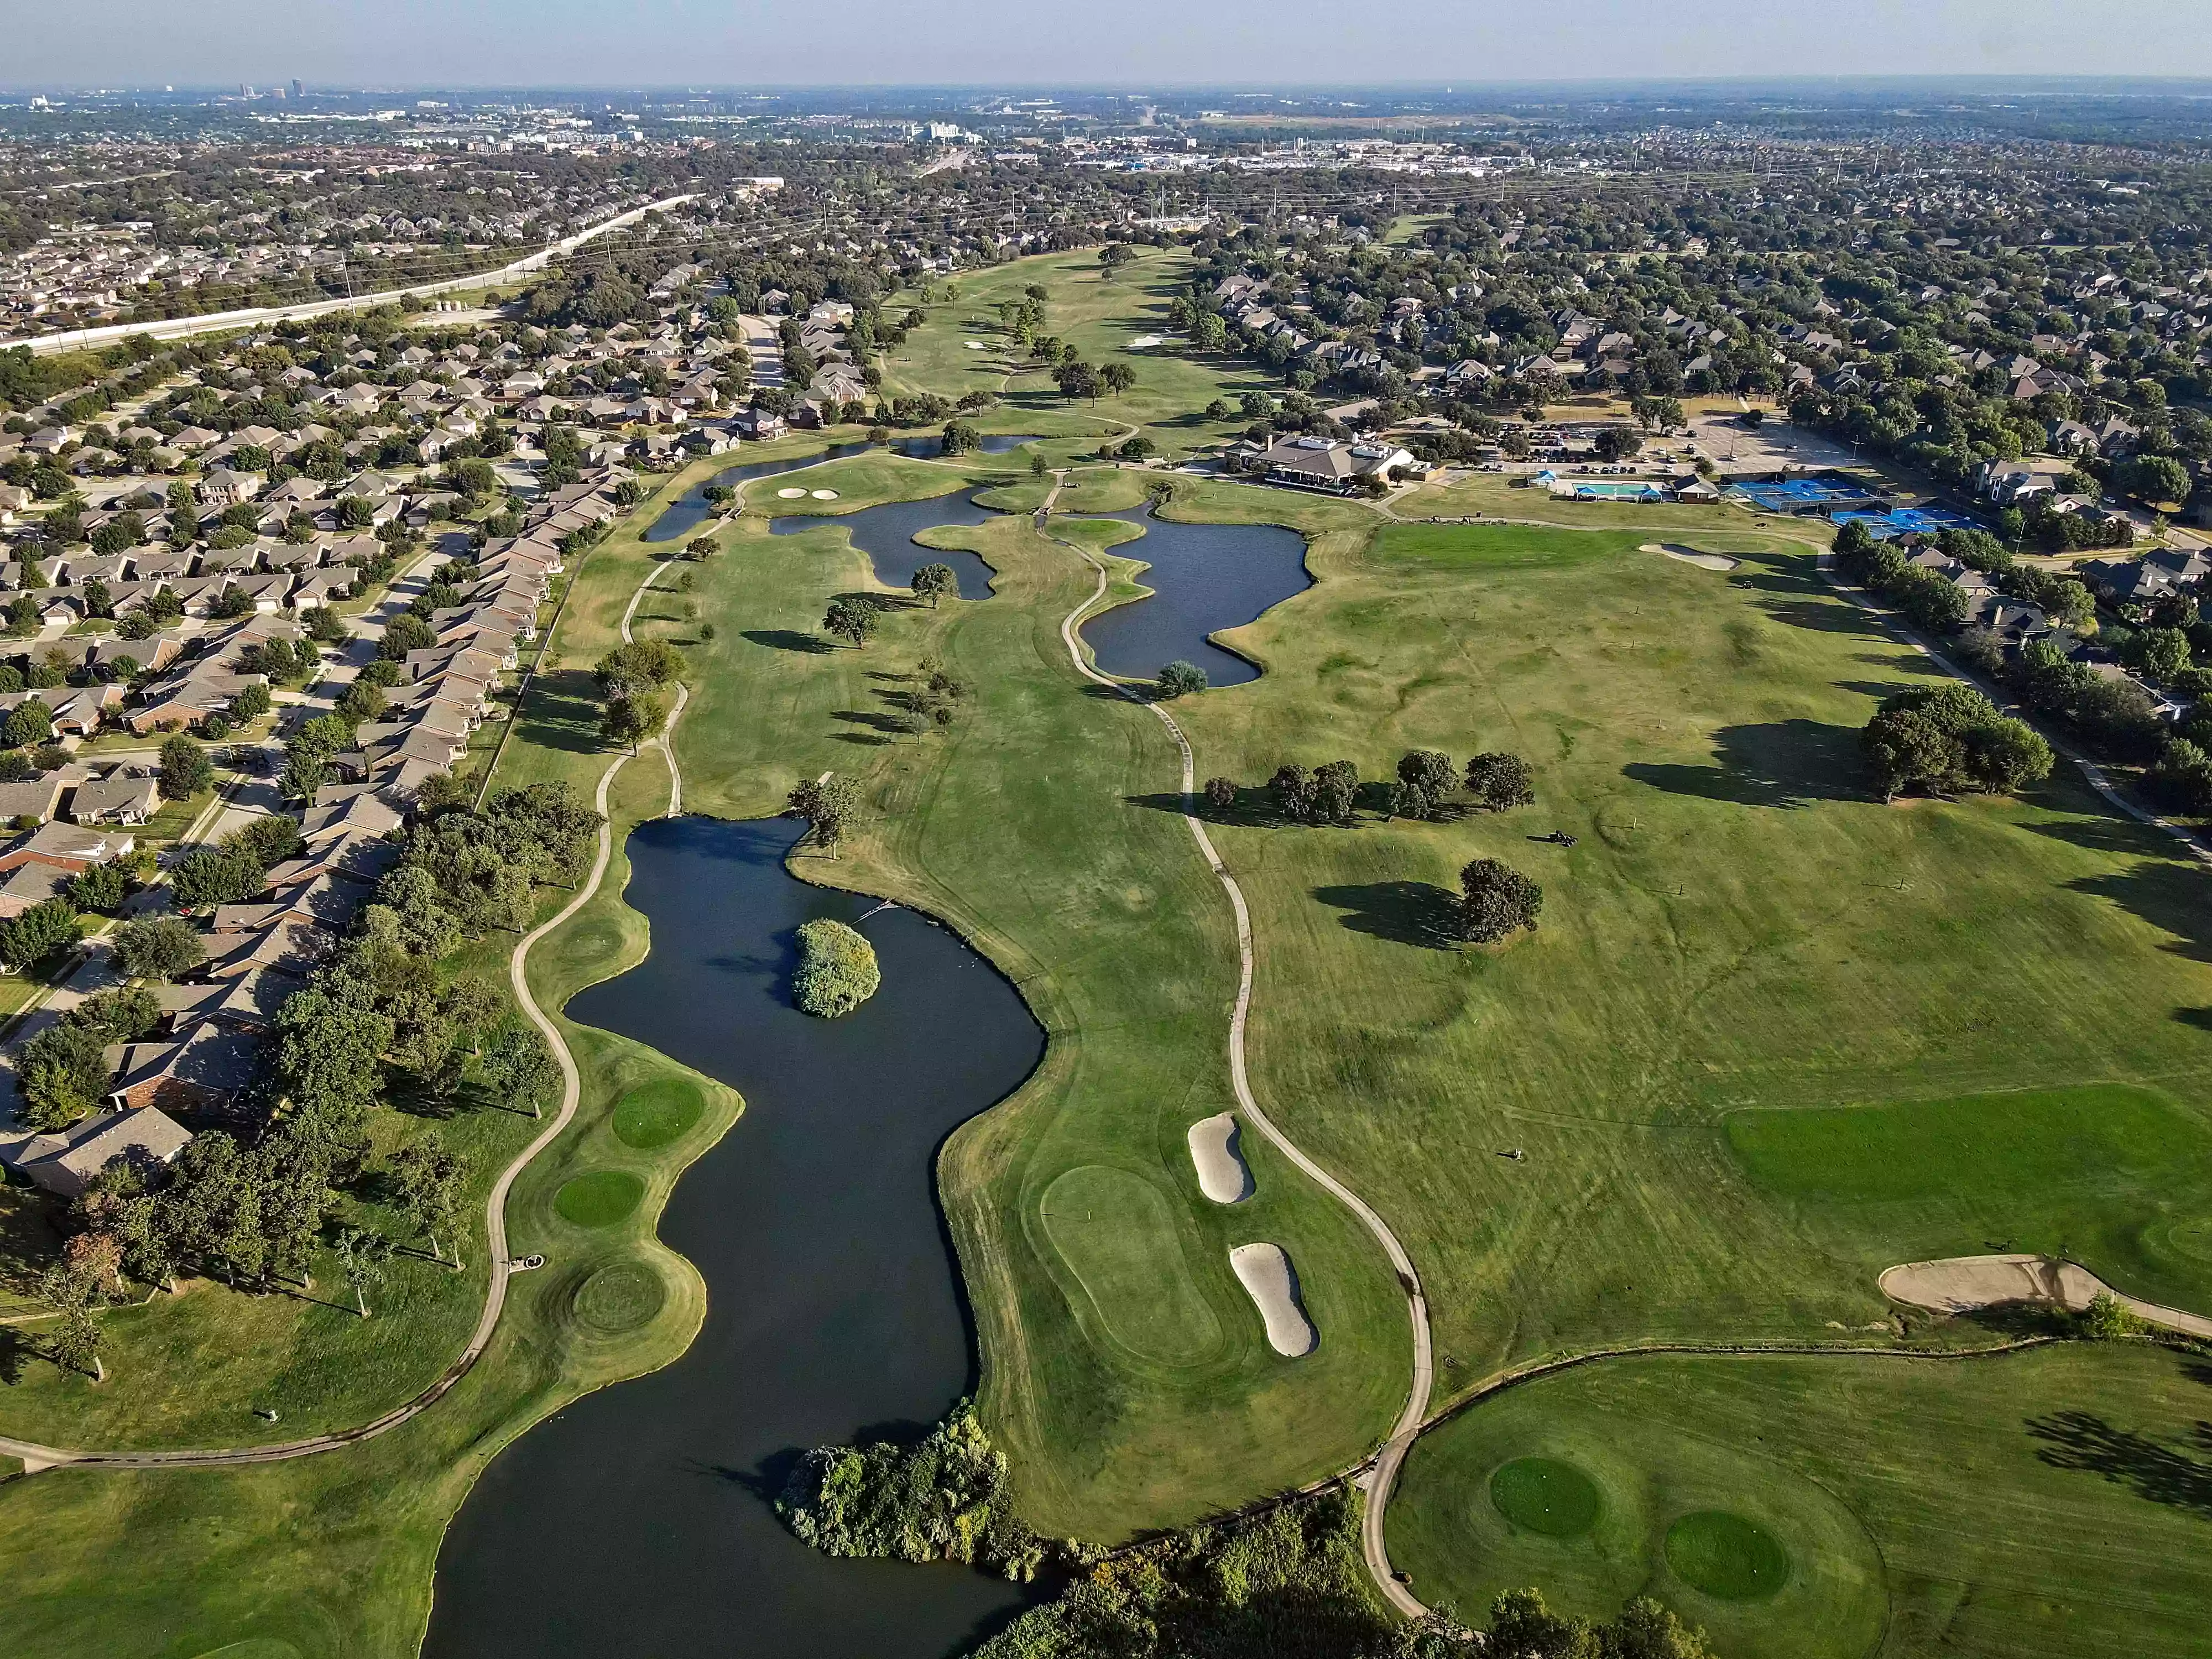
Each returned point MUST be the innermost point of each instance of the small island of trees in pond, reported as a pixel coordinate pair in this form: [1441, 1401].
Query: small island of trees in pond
[838, 969]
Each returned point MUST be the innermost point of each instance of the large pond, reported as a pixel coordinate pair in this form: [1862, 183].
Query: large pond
[993, 443]
[640, 1519]
[1204, 578]
[688, 511]
[886, 535]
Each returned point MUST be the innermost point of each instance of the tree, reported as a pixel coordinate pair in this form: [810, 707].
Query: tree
[1221, 794]
[305, 772]
[1431, 774]
[186, 770]
[76, 1338]
[99, 887]
[1615, 443]
[29, 722]
[933, 581]
[828, 805]
[158, 947]
[61, 1074]
[430, 1179]
[1951, 740]
[2160, 654]
[521, 1069]
[402, 634]
[1117, 378]
[960, 438]
[1495, 900]
[2154, 480]
[1181, 678]
[1115, 255]
[362, 1257]
[37, 933]
[1499, 780]
[1293, 792]
[631, 720]
[1335, 788]
[851, 618]
[2107, 1317]
[251, 703]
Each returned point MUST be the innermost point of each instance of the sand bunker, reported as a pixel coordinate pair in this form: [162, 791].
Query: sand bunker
[1272, 1284]
[1222, 1174]
[1690, 555]
[973, 345]
[791, 493]
[1143, 340]
[825, 495]
[1961, 1283]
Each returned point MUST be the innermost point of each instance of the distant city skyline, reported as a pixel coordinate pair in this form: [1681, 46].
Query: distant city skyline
[776, 43]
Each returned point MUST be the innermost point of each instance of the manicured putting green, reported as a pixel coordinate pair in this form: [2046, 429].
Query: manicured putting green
[1116, 1234]
[1727, 1557]
[620, 1297]
[1543, 1495]
[600, 1199]
[659, 1113]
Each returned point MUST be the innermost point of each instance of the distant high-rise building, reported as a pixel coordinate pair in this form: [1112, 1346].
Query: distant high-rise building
[297, 89]
[245, 91]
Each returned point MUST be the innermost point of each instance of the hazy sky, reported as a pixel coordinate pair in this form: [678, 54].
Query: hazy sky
[849, 42]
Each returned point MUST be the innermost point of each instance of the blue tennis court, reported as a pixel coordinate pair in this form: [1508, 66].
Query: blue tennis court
[1908, 521]
[1796, 495]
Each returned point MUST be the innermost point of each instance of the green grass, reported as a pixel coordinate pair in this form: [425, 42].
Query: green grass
[620, 1297]
[1741, 924]
[663, 1111]
[2121, 1177]
[1100, 315]
[598, 1199]
[2048, 1504]
[1116, 1233]
[1543, 1495]
[1726, 1556]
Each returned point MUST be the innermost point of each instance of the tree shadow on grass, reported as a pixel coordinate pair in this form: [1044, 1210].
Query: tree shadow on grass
[1782, 764]
[1822, 617]
[561, 712]
[2162, 1474]
[790, 639]
[2170, 893]
[1417, 912]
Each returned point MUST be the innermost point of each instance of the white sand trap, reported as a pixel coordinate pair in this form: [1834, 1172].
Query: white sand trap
[825, 495]
[791, 493]
[1223, 1175]
[973, 345]
[1143, 340]
[1961, 1283]
[1272, 1283]
[1690, 555]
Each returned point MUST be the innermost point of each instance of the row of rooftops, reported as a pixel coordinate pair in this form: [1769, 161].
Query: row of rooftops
[206, 1061]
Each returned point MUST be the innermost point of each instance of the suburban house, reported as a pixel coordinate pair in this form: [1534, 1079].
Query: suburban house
[65, 1162]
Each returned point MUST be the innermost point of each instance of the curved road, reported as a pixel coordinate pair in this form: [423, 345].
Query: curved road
[177, 328]
[35, 1456]
[1383, 1470]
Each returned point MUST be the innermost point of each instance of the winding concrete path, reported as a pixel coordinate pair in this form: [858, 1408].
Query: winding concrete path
[1383, 1470]
[35, 1456]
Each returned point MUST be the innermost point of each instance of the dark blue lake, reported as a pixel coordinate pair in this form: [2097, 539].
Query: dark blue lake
[1204, 578]
[639, 1521]
[886, 535]
[993, 443]
[688, 511]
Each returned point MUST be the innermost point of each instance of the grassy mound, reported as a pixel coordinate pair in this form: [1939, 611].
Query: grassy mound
[1726, 1556]
[837, 972]
[661, 1111]
[600, 1199]
[1543, 1495]
[620, 1297]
